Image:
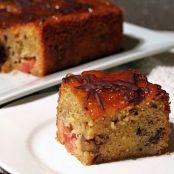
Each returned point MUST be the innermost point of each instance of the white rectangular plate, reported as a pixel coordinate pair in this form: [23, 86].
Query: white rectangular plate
[28, 145]
[138, 43]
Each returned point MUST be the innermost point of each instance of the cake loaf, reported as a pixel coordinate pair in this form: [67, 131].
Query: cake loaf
[44, 36]
[105, 117]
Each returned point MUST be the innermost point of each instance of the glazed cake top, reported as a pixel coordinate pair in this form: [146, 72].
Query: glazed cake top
[101, 92]
[24, 11]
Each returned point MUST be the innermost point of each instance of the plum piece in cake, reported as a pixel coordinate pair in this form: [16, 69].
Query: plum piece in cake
[105, 116]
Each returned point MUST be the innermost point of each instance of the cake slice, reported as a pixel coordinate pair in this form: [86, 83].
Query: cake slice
[44, 36]
[105, 116]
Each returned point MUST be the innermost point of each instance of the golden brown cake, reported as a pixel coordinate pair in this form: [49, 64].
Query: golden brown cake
[105, 117]
[43, 36]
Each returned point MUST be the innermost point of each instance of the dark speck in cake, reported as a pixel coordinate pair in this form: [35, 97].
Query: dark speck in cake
[115, 120]
[155, 139]
[141, 131]
[133, 111]
[154, 105]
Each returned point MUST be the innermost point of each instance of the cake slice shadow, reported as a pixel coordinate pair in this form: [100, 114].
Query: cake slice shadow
[130, 42]
[171, 141]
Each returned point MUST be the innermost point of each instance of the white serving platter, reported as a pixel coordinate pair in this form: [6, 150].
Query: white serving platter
[28, 145]
[138, 43]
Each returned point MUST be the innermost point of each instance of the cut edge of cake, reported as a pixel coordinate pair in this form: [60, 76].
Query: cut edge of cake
[22, 47]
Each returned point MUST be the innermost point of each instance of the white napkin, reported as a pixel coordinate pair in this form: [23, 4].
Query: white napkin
[159, 70]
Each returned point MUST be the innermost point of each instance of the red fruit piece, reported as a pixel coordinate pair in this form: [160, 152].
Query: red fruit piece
[69, 139]
[27, 65]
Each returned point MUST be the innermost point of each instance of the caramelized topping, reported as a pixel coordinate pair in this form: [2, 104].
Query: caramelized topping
[14, 11]
[94, 86]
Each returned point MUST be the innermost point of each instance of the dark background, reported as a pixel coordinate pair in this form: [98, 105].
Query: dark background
[154, 14]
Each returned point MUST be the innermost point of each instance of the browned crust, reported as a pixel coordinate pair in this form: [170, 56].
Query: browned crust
[81, 39]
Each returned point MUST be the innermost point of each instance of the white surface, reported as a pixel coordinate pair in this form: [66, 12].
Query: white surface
[149, 42]
[28, 145]
[159, 69]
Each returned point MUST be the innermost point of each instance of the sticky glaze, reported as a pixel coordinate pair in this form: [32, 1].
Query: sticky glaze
[102, 93]
[95, 86]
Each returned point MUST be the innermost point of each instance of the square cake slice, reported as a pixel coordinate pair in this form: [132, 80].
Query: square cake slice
[44, 36]
[105, 116]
